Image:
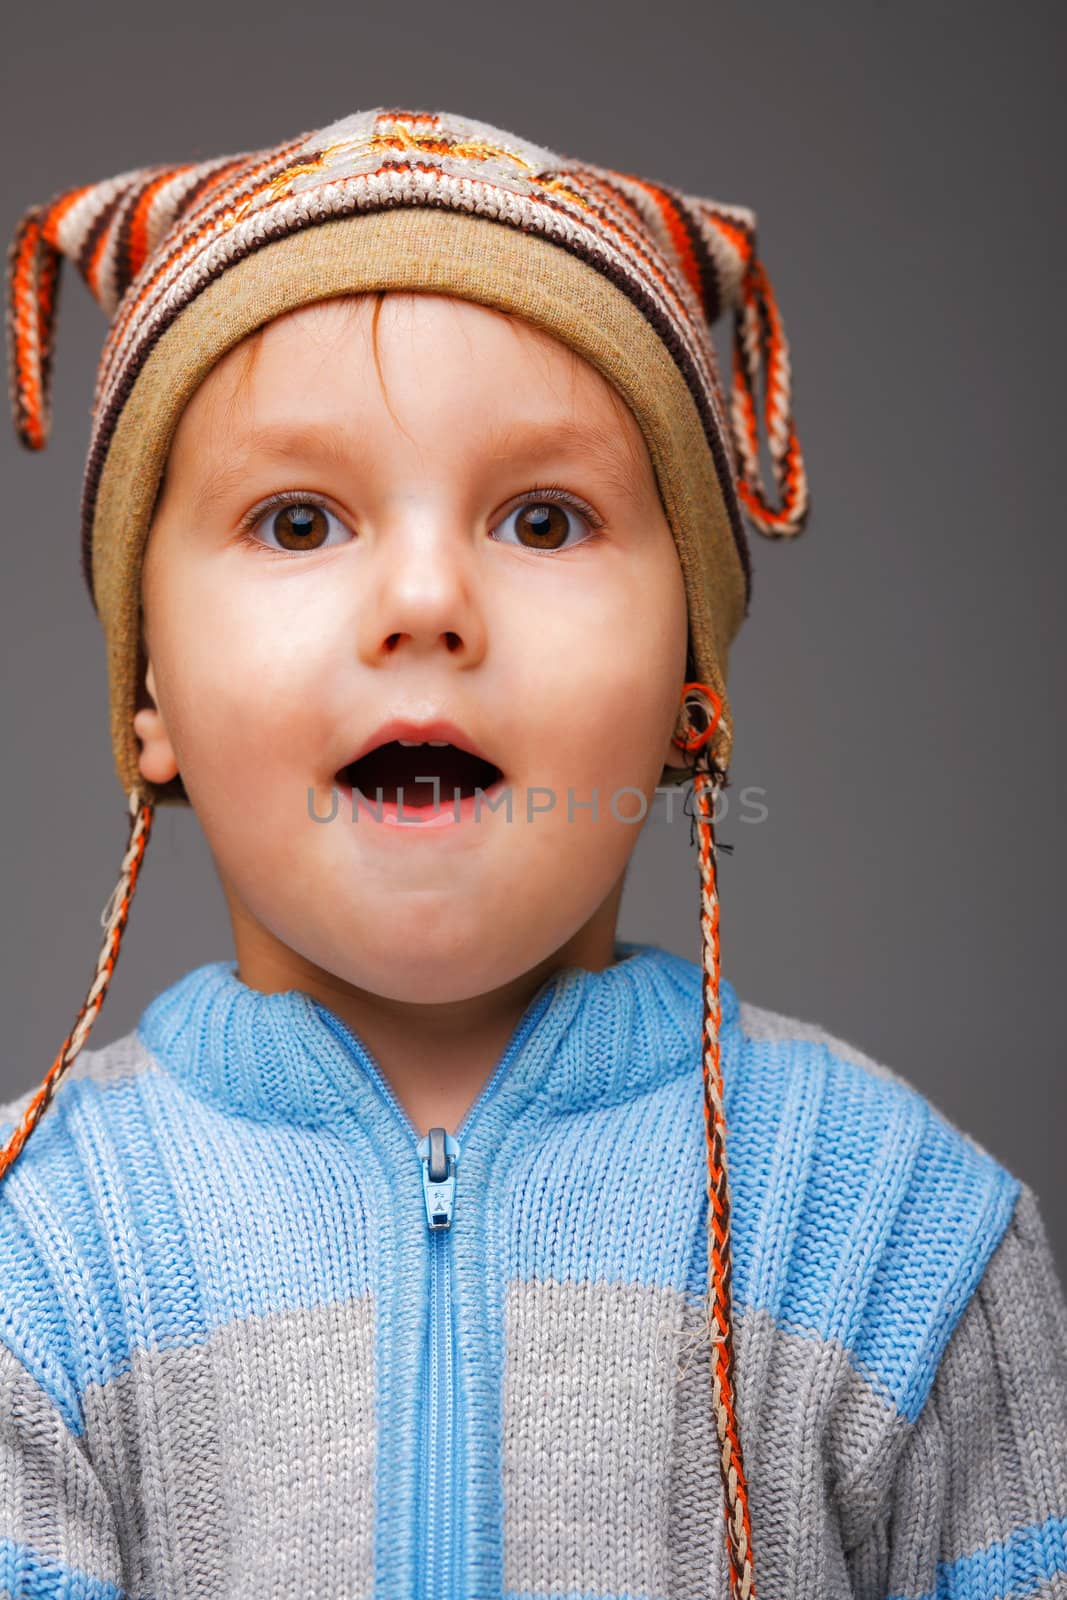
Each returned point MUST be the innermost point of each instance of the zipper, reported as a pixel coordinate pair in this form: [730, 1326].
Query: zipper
[442, 1458]
[439, 1153]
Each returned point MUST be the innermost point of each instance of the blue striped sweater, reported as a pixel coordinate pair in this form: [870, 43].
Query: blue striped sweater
[236, 1360]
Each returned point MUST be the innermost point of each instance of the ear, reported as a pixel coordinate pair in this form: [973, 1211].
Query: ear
[674, 755]
[157, 760]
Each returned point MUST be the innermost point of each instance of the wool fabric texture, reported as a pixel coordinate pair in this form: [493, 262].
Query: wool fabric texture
[190, 259]
[214, 1372]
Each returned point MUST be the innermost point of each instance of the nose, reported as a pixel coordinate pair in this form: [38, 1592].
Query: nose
[424, 596]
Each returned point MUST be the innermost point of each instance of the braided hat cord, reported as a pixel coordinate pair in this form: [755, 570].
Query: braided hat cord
[113, 920]
[735, 1491]
[707, 779]
[760, 347]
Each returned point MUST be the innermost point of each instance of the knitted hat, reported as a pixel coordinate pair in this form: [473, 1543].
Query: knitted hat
[187, 260]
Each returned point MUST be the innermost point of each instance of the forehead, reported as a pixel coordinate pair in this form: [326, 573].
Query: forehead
[312, 384]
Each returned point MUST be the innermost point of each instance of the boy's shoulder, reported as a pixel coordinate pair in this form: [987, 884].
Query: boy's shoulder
[778, 1049]
[761, 1023]
[883, 1212]
[118, 1068]
[59, 1209]
[781, 1063]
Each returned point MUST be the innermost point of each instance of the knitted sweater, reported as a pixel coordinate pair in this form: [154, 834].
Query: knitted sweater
[235, 1359]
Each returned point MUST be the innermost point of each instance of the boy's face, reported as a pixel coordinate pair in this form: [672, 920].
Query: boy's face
[415, 573]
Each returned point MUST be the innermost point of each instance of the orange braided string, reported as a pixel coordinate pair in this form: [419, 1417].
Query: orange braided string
[760, 346]
[113, 920]
[33, 273]
[707, 779]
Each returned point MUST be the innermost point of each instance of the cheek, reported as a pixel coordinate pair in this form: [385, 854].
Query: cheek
[240, 685]
[602, 676]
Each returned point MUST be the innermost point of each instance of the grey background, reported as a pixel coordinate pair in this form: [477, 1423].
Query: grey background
[898, 688]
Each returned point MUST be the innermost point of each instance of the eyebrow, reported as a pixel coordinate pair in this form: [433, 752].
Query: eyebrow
[331, 446]
[607, 450]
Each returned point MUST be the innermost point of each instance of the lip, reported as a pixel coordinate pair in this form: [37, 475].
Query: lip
[431, 818]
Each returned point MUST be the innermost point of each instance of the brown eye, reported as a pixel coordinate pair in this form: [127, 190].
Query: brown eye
[300, 527]
[548, 524]
[296, 525]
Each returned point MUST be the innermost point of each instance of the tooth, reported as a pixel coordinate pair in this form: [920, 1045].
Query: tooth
[438, 744]
[408, 744]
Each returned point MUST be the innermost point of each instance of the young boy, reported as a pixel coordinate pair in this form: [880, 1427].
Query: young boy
[397, 1257]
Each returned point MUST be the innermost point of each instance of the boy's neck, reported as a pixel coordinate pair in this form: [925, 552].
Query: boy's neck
[436, 1056]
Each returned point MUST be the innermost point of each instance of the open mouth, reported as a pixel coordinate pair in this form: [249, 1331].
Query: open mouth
[393, 766]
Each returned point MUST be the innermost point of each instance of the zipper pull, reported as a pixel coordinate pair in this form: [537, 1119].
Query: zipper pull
[439, 1153]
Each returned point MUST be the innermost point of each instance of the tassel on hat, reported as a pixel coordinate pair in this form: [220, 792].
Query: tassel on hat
[186, 260]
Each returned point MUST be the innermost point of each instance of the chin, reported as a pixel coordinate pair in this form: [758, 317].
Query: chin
[426, 976]
[412, 956]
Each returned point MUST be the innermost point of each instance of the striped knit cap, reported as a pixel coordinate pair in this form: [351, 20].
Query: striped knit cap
[189, 259]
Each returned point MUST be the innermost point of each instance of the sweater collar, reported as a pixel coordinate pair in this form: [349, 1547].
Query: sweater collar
[584, 1038]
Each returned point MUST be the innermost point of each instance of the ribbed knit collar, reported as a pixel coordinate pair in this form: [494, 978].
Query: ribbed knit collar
[584, 1038]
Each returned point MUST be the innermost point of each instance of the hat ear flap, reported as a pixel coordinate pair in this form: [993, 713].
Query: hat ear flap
[713, 245]
[108, 230]
[32, 290]
[737, 281]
